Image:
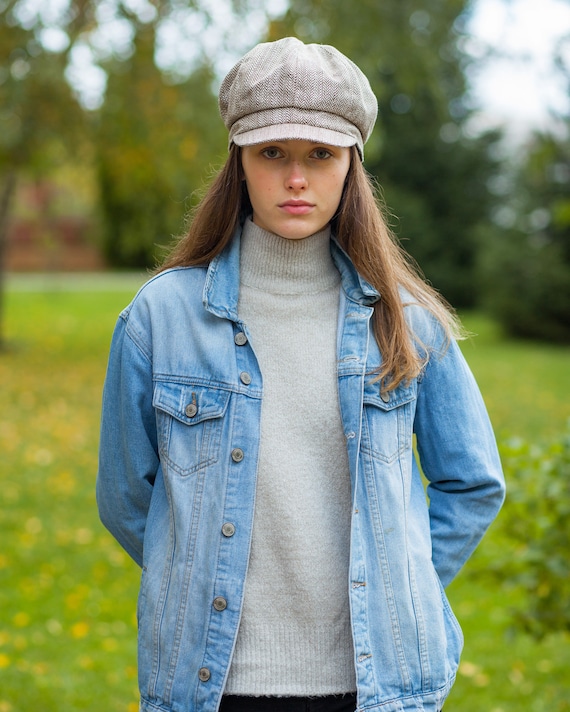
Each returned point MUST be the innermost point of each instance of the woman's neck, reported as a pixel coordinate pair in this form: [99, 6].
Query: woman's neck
[284, 266]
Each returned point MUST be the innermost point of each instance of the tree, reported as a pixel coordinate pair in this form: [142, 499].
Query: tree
[39, 118]
[158, 127]
[153, 142]
[143, 148]
[432, 174]
[526, 266]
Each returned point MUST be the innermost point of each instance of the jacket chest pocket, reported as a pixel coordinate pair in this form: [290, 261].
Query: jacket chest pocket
[388, 420]
[189, 424]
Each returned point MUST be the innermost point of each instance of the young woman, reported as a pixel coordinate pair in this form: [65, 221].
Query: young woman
[261, 399]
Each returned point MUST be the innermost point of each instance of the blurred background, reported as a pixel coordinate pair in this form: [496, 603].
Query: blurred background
[109, 130]
[109, 125]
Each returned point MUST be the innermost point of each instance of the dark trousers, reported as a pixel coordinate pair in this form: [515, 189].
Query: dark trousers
[329, 703]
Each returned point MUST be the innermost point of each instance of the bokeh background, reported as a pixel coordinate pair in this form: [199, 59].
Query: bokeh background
[108, 132]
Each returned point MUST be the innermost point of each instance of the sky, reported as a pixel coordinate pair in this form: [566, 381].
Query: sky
[522, 87]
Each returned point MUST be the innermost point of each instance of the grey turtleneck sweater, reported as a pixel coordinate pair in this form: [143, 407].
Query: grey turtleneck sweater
[295, 637]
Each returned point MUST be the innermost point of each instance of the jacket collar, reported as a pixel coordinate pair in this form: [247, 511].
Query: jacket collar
[221, 289]
[354, 285]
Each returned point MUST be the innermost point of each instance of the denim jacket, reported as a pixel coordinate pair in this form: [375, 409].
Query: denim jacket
[177, 480]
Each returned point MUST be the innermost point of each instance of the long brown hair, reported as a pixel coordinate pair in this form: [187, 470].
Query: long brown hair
[361, 230]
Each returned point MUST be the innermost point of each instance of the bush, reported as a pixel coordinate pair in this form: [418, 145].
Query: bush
[535, 528]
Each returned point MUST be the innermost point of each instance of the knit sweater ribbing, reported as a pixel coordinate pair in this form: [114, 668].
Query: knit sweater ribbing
[294, 636]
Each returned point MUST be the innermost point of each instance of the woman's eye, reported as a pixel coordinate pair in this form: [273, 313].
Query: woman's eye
[321, 153]
[271, 152]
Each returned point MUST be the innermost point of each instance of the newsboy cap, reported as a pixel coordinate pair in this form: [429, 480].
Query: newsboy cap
[290, 90]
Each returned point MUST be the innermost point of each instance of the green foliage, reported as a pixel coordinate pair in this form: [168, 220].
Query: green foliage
[38, 106]
[157, 133]
[526, 282]
[526, 269]
[438, 192]
[535, 529]
[154, 140]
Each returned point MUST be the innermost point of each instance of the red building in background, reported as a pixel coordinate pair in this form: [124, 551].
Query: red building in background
[49, 231]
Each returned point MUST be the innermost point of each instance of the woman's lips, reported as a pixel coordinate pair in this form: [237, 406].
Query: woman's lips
[297, 207]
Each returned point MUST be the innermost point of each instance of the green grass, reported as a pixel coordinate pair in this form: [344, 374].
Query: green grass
[526, 385]
[68, 593]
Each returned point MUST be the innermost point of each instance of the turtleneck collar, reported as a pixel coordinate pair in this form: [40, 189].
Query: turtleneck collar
[283, 266]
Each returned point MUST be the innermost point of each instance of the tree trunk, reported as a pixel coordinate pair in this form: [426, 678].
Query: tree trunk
[5, 203]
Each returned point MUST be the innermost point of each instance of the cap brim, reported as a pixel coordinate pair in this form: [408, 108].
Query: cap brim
[292, 132]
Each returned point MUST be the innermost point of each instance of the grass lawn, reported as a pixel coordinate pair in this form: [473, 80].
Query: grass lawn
[526, 385]
[68, 592]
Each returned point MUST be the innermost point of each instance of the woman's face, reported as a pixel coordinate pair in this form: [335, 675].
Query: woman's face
[294, 186]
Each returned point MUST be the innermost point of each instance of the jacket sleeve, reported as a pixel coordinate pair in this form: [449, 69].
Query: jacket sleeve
[128, 456]
[459, 458]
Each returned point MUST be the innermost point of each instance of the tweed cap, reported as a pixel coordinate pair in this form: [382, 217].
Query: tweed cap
[290, 90]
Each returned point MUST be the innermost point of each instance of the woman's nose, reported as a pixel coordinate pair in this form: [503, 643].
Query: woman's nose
[296, 179]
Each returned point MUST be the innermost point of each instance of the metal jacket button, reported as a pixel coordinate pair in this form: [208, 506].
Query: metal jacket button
[240, 339]
[204, 674]
[237, 454]
[385, 396]
[245, 378]
[228, 529]
[191, 410]
[220, 603]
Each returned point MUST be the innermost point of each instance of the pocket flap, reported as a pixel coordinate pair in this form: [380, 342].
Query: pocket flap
[387, 400]
[190, 404]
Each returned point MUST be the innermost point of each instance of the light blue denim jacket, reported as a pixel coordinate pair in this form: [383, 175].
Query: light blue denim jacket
[177, 478]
